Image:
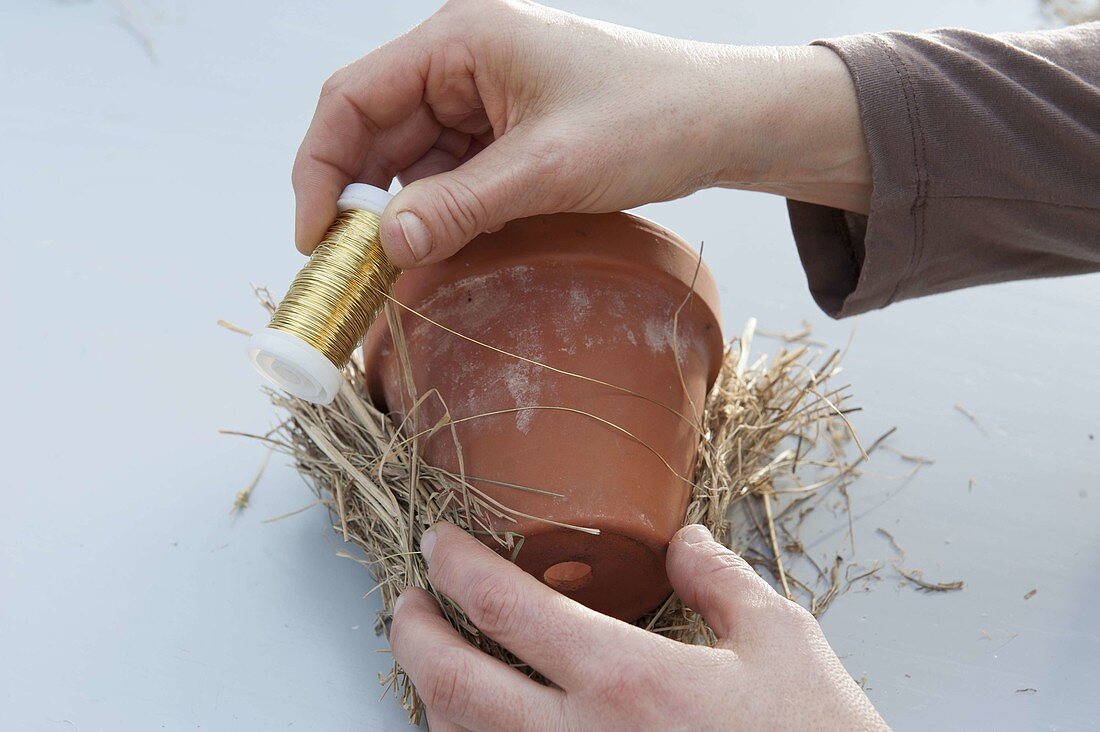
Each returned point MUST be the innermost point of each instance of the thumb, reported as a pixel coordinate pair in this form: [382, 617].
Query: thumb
[432, 218]
[720, 585]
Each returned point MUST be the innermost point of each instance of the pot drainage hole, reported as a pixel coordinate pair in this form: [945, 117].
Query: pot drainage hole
[568, 576]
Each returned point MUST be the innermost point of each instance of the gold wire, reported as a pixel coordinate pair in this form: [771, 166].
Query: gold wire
[341, 290]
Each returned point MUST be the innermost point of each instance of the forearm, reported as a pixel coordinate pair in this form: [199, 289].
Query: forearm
[789, 124]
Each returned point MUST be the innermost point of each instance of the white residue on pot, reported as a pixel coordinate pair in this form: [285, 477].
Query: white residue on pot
[658, 334]
[471, 303]
[579, 303]
[591, 341]
[523, 384]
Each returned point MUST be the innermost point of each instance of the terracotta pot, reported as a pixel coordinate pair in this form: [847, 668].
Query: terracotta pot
[591, 294]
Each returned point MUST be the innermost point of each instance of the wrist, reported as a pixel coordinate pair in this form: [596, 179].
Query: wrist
[789, 125]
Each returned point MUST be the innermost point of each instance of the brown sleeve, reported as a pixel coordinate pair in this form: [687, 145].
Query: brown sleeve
[985, 159]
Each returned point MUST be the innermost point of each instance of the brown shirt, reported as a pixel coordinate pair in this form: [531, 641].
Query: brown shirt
[985, 159]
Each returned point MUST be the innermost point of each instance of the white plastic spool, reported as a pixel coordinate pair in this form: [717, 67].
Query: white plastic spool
[289, 362]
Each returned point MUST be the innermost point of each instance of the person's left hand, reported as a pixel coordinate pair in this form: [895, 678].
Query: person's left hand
[772, 668]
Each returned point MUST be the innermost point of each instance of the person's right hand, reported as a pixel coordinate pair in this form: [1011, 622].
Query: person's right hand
[492, 110]
[771, 668]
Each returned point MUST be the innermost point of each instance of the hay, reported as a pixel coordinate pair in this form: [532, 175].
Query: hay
[774, 445]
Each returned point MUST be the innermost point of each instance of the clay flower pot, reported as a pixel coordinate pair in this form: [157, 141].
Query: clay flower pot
[591, 294]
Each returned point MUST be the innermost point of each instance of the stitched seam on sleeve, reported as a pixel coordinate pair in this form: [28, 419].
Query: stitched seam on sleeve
[845, 235]
[1013, 199]
[916, 134]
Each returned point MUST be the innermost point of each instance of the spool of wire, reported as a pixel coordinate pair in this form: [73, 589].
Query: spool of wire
[330, 304]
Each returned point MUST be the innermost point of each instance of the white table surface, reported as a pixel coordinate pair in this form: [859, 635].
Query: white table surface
[142, 189]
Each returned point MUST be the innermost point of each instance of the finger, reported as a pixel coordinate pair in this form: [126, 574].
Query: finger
[717, 583]
[433, 217]
[395, 148]
[454, 142]
[447, 154]
[432, 163]
[459, 683]
[421, 81]
[375, 93]
[451, 89]
[440, 160]
[562, 639]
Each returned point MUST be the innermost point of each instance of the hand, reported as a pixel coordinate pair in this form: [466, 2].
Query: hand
[493, 110]
[772, 668]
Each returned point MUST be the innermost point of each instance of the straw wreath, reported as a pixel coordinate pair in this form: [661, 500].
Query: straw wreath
[775, 440]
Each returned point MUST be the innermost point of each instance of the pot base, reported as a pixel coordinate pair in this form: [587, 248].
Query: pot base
[611, 573]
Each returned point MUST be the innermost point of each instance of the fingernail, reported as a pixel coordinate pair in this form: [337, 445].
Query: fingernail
[695, 533]
[417, 236]
[427, 544]
[398, 603]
